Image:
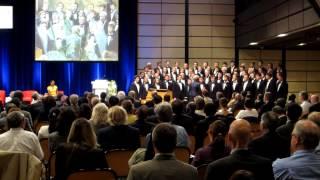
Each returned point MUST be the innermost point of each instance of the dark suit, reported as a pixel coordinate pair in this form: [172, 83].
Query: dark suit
[177, 91]
[139, 92]
[269, 145]
[184, 121]
[213, 88]
[227, 90]
[249, 88]
[259, 86]
[282, 90]
[315, 108]
[167, 85]
[144, 92]
[240, 160]
[112, 43]
[195, 89]
[237, 87]
[272, 88]
[119, 137]
[266, 107]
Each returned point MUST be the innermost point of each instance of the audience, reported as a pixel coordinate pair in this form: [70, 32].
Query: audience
[118, 135]
[164, 165]
[305, 104]
[45, 130]
[18, 139]
[240, 158]
[181, 119]
[80, 151]
[249, 110]
[99, 117]
[216, 149]
[315, 117]
[128, 106]
[304, 163]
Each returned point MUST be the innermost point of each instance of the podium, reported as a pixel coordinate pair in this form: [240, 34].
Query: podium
[160, 92]
[99, 86]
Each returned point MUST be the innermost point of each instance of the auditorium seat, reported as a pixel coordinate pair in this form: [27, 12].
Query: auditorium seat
[2, 97]
[117, 160]
[39, 124]
[182, 154]
[105, 174]
[27, 96]
[45, 148]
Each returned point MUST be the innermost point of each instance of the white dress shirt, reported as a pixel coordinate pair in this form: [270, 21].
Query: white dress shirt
[20, 140]
[305, 105]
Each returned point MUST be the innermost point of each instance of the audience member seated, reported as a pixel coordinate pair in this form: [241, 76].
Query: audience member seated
[99, 117]
[249, 110]
[18, 139]
[294, 112]
[267, 104]
[237, 105]
[141, 123]
[85, 111]
[103, 98]
[164, 165]
[181, 119]
[48, 103]
[45, 130]
[80, 151]
[281, 113]
[305, 104]
[27, 116]
[315, 117]
[36, 106]
[118, 135]
[64, 122]
[240, 159]
[113, 101]
[216, 149]
[74, 103]
[164, 113]
[128, 106]
[315, 103]
[224, 113]
[270, 145]
[242, 175]
[304, 163]
[203, 125]
[199, 105]
[191, 109]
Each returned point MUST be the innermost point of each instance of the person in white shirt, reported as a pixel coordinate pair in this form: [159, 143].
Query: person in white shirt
[305, 104]
[19, 140]
[249, 110]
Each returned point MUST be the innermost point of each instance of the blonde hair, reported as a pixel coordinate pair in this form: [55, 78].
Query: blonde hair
[117, 115]
[99, 114]
[82, 133]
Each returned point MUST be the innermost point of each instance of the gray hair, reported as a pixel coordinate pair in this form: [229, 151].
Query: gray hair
[74, 99]
[164, 112]
[15, 119]
[308, 134]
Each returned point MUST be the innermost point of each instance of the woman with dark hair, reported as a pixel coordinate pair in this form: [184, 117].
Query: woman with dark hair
[80, 151]
[45, 130]
[141, 124]
[85, 111]
[64, 121]
[216, 149]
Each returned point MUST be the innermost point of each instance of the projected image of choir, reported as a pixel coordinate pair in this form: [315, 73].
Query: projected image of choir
[77, 31]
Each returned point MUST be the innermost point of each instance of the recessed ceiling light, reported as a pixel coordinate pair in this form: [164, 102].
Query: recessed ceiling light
[282, 35]
[302, 44]
[253, 43]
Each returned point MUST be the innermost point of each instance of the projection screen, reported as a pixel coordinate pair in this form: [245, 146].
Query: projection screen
[77, 30]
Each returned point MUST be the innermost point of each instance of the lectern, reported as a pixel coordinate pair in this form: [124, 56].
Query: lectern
[99, 86]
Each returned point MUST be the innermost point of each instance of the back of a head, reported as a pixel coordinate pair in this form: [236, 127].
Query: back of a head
[99, 113]
[142, 112]
[117, 116]
[199, 102]
[270, 121]
[64, 121]
[164, 138]
[308, 134]
[82, 133]
[294, 112]
[304, 95]
[18, 94]
[191, 107]
[15, 119]
[164, 112]
[242, 175]
[103, 96]
[177, 106]
[94, 101]
[223, 102]
[210, 109]
[249, 103]
[53, 116]
[113, 101]
[85, 111]
[157, 99]
[315, 117]
[127, 105]
[240, 133]
[167, 98]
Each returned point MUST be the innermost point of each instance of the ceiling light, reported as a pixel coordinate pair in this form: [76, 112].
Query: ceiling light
[302, 44]
[253, 43]
[282, 35]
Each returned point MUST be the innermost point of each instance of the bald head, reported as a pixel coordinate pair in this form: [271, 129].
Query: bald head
[305, 135]
[315, 117]
[239, 133]
[314, 99]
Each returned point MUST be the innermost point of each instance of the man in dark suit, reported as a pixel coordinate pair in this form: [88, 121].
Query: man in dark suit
[195, 89]
[267, 104]
[239, 136]
[236, 86]
[282, 87]
[226, 87]
[166, 83]
[271, 86]
[178, 88]
[181, 119]
[259, 84]
[213, 87]
[247, 86]
[137, 87]
[270, 138]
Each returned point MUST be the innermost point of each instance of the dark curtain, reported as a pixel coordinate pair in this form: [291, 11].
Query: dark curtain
[20, 71]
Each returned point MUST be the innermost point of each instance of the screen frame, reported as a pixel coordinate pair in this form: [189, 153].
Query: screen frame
[78, 61]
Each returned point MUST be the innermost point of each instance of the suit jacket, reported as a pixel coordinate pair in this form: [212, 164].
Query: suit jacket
[176, 91]
[314, 108]
[237, 87]
[195, 89]
[162, 167]
[164, 86]
[282, 90]
[222, 169]
[269, 145]
[266, 107]
[260, 89]
[249, 88]
[213, 88]
[227, 91]
[119, 137]
[272, 87]
[134, 88]
[184, 121]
